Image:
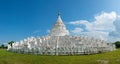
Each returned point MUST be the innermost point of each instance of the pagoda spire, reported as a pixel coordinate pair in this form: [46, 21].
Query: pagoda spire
[58, 13]
[59, 28]
[59, 20]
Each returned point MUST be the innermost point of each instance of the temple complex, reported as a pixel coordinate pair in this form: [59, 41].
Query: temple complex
[60, 42]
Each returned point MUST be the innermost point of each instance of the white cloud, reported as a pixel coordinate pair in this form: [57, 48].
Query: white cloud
[36, 31]
[102, 26]
[115, 35]
[103, 21]
[77, 30]
[78, 22]
[48, 31]
[96, 34]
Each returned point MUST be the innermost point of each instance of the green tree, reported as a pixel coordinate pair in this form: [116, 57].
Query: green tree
[11, 43]
[2, 46]
[117, 43]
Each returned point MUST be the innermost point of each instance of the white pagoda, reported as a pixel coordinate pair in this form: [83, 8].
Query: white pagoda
[59, 42]
[59, 28]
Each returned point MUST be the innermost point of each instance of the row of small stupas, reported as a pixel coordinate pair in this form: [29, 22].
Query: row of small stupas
[59, 42]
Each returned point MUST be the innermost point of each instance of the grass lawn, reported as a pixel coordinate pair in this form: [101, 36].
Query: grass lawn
[104, 58]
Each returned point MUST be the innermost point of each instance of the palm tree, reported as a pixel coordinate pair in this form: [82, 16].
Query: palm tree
[10, 43]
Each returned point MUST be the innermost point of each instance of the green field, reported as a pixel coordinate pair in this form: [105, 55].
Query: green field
[104, 58]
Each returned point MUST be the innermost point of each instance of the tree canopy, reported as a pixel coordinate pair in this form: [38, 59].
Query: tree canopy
[117, 43]
[10, 43]
[3, 46]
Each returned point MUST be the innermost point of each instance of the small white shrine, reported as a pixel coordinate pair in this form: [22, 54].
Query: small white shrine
[59, 42]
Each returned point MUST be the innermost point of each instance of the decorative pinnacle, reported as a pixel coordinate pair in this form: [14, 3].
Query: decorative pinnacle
[58, 13]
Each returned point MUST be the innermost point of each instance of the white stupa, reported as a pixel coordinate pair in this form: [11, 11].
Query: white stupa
[59, 28]
[59, 42]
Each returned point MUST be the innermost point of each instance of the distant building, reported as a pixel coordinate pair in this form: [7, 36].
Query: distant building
[59, 42]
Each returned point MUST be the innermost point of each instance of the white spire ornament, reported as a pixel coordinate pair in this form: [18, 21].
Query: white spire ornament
[59, 28]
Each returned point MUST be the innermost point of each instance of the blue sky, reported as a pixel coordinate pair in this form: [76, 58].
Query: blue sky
[20, 19]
